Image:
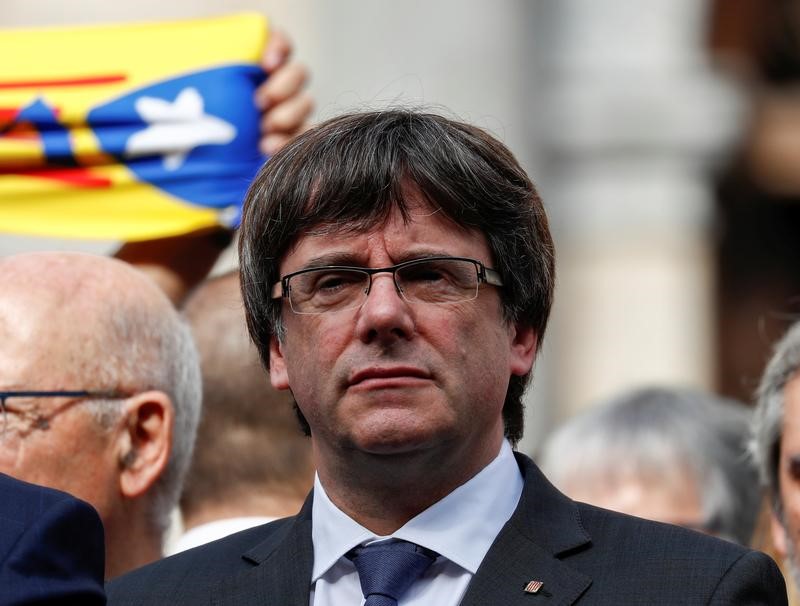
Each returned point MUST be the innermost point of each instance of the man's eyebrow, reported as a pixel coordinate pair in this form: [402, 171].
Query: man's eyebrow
[352, 259]
[333, 258]
[425, 253]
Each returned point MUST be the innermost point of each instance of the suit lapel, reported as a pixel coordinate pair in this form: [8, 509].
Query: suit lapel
[545, 524]
[282, 572]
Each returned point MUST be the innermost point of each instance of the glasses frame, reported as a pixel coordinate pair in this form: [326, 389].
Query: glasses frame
[281, 290]
[69, 393]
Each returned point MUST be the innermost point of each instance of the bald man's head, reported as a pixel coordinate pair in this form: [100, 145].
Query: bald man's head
[78, 322]
[79, 312]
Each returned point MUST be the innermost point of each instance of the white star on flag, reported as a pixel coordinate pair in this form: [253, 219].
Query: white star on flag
[176, 128]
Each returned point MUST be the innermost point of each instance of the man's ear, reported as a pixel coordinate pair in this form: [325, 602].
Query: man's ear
[778, 532]
[277, 365]
[524, 341]
[145, 441]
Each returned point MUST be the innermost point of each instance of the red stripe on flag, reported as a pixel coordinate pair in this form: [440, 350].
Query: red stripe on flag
[85, 81]
[76, 177]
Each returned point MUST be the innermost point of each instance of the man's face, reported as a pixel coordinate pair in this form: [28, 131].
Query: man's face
[394, 377]
[671, 497]
[786, 532]
[50, 441]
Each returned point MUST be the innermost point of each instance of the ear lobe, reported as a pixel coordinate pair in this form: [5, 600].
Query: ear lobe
[277, 365]
[524, 342]
[146, 442]
[778, 532]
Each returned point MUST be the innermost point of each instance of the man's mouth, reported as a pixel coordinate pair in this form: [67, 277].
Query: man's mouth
[388, 375]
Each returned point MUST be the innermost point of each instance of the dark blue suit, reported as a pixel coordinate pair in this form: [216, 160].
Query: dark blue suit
[51, 547]
[582, 555]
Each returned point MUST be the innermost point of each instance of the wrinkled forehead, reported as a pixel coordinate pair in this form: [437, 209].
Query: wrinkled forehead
[417, 222]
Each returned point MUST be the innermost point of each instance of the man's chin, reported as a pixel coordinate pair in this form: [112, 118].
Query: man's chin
[397, 443]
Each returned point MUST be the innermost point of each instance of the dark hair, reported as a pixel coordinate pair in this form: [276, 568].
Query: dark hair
[352, 171]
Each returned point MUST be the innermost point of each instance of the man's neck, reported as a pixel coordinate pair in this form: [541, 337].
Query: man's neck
[382, 493]
[131, 546]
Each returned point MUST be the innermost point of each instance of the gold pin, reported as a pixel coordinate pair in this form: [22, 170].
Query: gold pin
[533, 586]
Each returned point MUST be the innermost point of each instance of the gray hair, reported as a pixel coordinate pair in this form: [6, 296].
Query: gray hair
[150, 347]
[647, 432]
[767, 426]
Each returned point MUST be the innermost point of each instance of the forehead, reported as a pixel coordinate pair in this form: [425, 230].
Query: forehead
[672, 498]
[41, 340]
[426, 230]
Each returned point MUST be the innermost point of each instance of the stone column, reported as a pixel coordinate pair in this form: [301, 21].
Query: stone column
[632, 121]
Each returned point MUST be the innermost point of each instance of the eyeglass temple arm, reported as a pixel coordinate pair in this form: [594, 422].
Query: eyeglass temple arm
[491, 276]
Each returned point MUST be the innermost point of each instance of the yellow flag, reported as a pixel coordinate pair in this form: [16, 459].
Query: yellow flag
[128, 132]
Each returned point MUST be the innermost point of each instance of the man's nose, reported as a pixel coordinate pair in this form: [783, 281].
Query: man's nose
[385, 315]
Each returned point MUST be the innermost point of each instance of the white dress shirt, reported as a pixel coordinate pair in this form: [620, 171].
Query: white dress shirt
[460, 528]
[211, 531]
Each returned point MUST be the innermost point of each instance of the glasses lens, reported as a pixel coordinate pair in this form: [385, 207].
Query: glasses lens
[319, 290]
[439, 281]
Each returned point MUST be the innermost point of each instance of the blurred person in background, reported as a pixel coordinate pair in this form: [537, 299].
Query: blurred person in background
[251, 462]
[776, 444]
[672, 455]
[102, 392]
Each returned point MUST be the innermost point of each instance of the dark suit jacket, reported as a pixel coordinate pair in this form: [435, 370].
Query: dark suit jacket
[581, 554]
[51, 547]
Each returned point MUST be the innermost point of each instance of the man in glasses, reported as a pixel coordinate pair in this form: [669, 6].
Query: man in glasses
[397, 270]
[100, 392]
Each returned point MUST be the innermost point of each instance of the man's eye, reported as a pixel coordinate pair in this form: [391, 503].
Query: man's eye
[334, 281]
[424, 273]
[794, 467]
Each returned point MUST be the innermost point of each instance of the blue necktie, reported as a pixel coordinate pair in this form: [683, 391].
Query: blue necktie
[387, 569]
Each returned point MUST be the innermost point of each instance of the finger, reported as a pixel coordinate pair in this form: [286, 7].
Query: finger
[271, 144]
[288, 117]
[281, 85]
[277, 52]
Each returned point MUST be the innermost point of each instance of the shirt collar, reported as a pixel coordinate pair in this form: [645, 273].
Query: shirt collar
[461, 526]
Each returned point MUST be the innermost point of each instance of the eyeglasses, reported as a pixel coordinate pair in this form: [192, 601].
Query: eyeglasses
[436, 280]
[7, 395]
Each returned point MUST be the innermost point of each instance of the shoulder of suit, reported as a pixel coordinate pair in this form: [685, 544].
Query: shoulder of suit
[225, 555]
[620, 528]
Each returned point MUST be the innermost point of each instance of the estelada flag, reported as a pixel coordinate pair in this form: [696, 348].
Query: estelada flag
[128, 132]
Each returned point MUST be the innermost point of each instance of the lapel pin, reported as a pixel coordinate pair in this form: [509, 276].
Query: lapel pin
[533, 587]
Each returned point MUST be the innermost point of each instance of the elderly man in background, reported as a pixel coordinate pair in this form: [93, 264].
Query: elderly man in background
[671, 455]
[102, 392]
[776, 444]
[251, 462]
